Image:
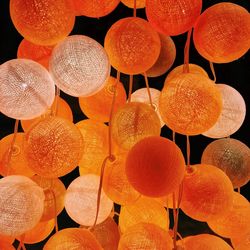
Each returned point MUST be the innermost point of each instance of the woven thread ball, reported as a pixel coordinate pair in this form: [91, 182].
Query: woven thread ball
[232, 157]
[222, 32]
[43, 22]
[155, 166]
[79, 66]
[190, 104]
[172, 17]
[232, 115]
[236, 221]
[165, 59]
[81, 201]
[131, 3]
[128, 41]
[73, 238]
[145, 236]
[207, 193]
[21, 205]
[242, 242]
[26, 88]
[6, 246]
[98, 106]
[6, 239]
[54, 147]
[18, 164]
[133, 122]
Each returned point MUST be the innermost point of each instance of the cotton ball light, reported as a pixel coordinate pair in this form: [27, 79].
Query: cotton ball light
[128, 41]
[207, 193]
[81, 201]
[222, 32]
[79, 66]
[54, 147]
[190, 104]
[26, 88]
[241, 242]
[6, 246]
[232, 156]
[21, 205]
[6, 239]
[130, 3]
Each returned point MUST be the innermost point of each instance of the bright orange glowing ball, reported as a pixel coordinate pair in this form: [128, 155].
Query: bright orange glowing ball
[242, 242]
[130, 3]
[222, 32]
[6, 239]
[128, 41]
[155, 166]
[43, 22]
[172, 17]
[6, 246]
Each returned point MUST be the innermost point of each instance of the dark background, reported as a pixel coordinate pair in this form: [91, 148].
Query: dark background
[235, 74]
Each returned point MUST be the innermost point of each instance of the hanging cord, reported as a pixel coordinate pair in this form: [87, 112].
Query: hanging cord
[134, 12]
[54, 111]
[148, 90]
[186, 52]
[213, 71]
[131, 79]
[21, 244]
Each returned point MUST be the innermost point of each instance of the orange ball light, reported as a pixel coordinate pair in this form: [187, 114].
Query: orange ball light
[242, 242]
[163, 15]
[190, 104]
[130, 3]
[45, 22]
[155, 166]
[54, 147]
[6, 246]
[207, 193]
[222, 32]
[128, 41]
[6, 239]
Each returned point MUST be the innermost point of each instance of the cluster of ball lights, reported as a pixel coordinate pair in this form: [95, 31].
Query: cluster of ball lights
[145, 169]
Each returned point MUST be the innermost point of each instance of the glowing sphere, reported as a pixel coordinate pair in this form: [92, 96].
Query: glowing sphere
[155, 166]
[141, 95]
[145, 236]
[79, 66]
[128, 41]
[54, 147]
[130, 3]
[45, 22]
[133, 122]
[236, 221]
[163, 14]
[190, 104]
[6, 246]
[81, 201]
[18, 164]
[21, 205]
[54, 191]
[231, 156]
[242, 242]
[6, 239]
[73, 238]
[232, 115]
[26, 88]
[165, 59]
[116, 184]
[98, 106]
[222, 32]
[95, 136]
[143, 210]
[207, 193]
[205, 242]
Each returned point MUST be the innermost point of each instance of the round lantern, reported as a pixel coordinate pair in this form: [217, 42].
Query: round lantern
[98, 106]
[145, 236]
[6, 246]
[6, 239]
[44, 23]
[54, 147]
[133, 122]
[241, 242]
[128, 41]
[17, 164]
[21, 204]
[79, 66]
[190, 104]
[81, 201]
[73, 238]
[155, 166]
[131, 3]
[222, 32]
[163, 15]
[231, 156]
[232, 115]
[26, 88]
[207, 193]
[165, 59]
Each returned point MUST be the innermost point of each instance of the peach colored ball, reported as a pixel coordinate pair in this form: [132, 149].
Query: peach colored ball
[130, 3]
[27, 89]
[172, 17]
[128, 41]
[155, 166]
[207, 193]
[222, 32]
[43, 22]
